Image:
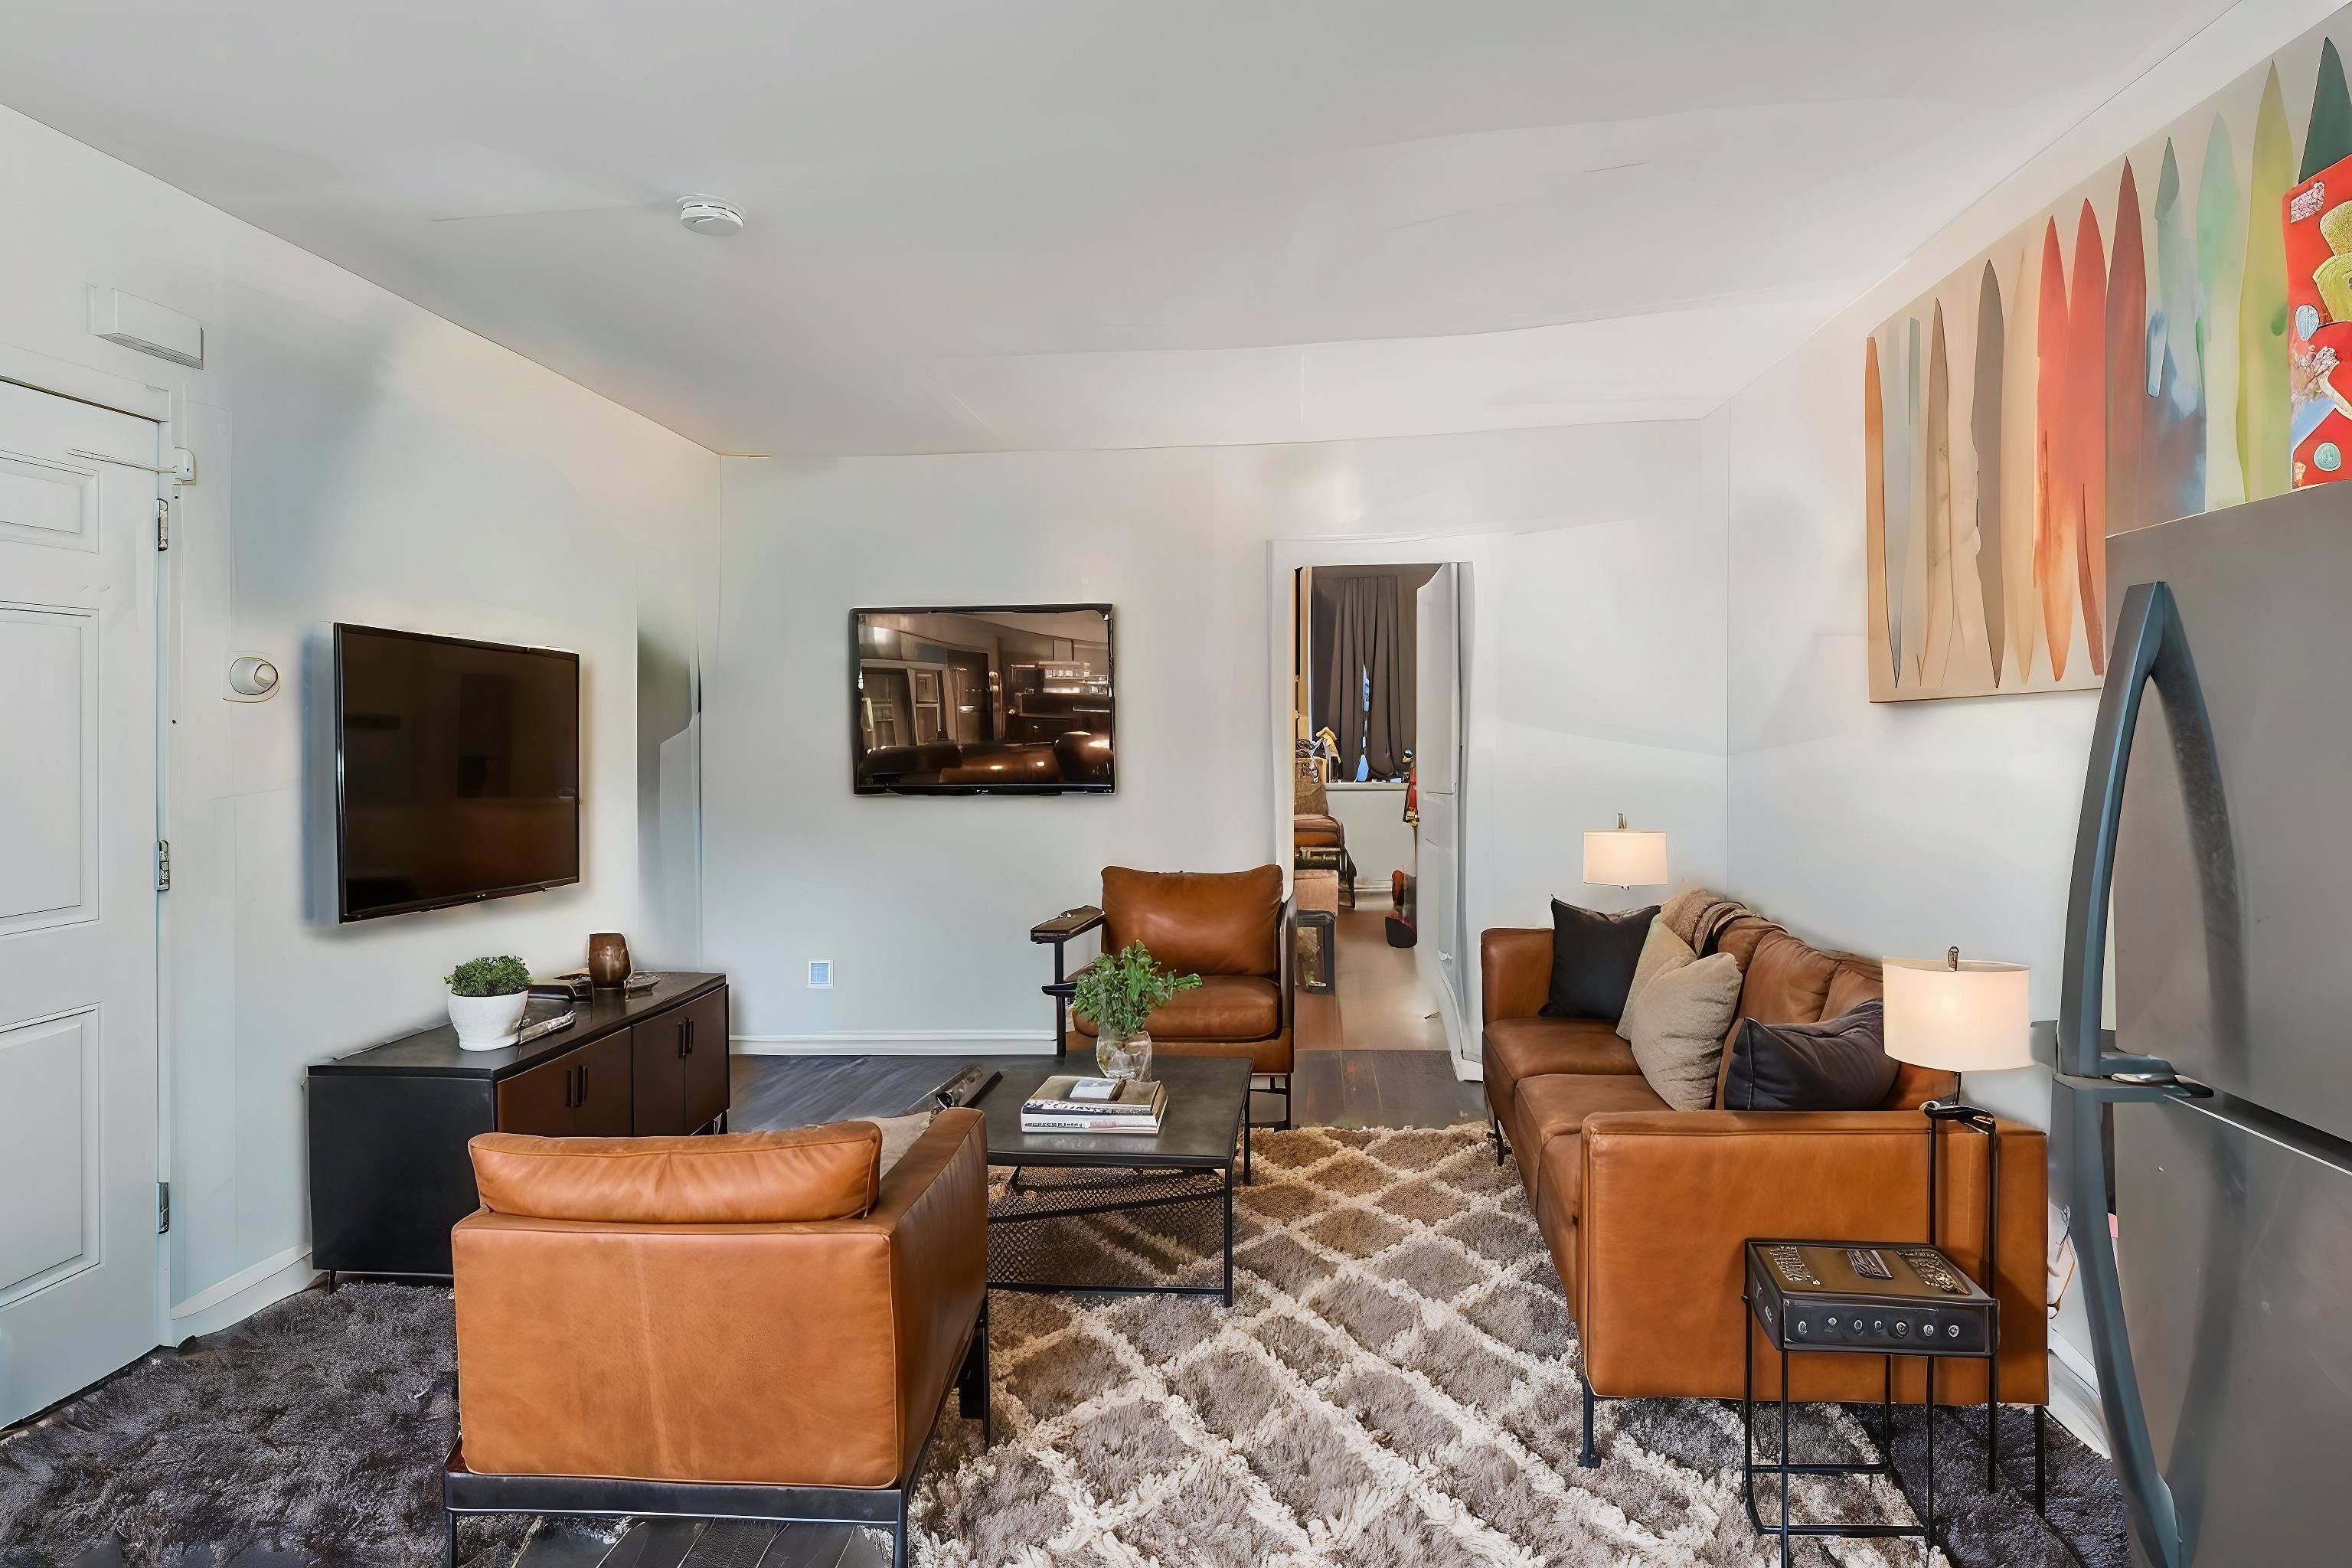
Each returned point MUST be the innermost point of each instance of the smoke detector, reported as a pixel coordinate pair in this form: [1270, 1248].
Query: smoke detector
[704, 215]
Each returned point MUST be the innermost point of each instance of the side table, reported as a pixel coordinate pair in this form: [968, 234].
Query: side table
[1881, 1299]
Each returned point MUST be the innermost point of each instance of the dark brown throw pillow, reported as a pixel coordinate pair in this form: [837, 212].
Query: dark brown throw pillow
[1592, 960]
[1838, 1064]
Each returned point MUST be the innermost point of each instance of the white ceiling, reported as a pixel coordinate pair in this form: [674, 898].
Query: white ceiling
[983, 224]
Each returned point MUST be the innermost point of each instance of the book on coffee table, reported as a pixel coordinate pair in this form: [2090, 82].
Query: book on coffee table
[1067, 1103]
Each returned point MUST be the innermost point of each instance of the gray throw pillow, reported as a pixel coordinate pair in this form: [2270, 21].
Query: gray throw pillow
[1662, 952]
[1679, 1029]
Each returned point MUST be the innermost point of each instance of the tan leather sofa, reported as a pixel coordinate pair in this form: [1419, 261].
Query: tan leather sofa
[1227, 927]
[1646, 1209]
[758, 1322]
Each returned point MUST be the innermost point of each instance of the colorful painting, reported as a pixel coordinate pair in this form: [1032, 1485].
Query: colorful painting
[2143, 350]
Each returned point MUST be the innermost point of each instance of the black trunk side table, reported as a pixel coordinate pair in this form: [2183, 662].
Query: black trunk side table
[1881, 1299]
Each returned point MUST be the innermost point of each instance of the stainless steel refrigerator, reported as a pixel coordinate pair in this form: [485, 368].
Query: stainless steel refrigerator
[2218, 814]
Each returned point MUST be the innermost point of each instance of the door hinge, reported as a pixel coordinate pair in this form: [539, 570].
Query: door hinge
[162, 864]
[162, 1207]
[162, 523]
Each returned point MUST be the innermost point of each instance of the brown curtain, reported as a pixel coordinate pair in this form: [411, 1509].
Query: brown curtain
[1367, 641]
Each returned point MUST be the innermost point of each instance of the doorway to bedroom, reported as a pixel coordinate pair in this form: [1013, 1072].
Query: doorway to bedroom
[1374, 689]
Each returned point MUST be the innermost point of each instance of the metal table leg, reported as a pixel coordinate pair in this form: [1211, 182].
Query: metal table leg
[1929, 1520]
[1229, 1226]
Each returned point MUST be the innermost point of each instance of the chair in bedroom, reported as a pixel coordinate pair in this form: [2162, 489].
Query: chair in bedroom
[1314, 828]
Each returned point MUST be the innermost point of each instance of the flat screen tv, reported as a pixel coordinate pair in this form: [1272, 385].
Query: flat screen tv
[982, 699]
[456, 771]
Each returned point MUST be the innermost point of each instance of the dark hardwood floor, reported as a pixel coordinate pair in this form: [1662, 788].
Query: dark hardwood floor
[1336, 1088]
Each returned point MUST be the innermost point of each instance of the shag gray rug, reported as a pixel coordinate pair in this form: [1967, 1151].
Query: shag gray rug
[312, 1433]
[1395, 1385]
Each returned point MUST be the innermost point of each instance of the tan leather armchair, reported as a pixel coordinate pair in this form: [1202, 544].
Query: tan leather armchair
[750, 1325]
[1232, 928]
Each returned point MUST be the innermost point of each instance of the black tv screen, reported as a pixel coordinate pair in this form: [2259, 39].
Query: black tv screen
[458, 771]
[982, 699]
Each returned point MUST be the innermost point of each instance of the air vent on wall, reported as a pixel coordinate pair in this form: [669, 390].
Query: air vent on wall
[144, 325]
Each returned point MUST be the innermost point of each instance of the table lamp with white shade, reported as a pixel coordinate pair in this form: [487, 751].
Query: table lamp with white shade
[1962, 1016]
[1623, 856]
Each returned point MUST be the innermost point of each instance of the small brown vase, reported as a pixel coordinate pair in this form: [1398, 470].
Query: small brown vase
[608, 961]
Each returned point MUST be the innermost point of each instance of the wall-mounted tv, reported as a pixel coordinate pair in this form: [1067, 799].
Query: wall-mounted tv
[456, 771]
[982, 699]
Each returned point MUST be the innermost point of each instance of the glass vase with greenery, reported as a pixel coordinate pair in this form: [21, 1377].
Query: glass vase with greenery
[1118, 993]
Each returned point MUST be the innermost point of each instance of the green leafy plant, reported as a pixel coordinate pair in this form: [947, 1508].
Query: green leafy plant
[1118, 992]
[503, 976]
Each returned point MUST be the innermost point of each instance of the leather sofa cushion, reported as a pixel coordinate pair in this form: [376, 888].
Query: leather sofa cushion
[1272, 1053]
[1788, 979]
[1856, 981]
[1529, 1048]
[1551, 1109]
[1197, 922]
[1222, 1007]
[808, 1173]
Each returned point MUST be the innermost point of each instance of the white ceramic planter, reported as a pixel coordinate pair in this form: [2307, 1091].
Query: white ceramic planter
[487, 1023]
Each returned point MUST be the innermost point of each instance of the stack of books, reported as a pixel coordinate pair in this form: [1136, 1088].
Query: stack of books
[1067, 1104]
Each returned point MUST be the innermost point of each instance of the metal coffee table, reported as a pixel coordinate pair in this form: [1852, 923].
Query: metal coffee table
[1114, 1214]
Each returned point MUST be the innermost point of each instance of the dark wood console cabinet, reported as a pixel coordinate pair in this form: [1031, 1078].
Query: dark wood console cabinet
[389, 1172]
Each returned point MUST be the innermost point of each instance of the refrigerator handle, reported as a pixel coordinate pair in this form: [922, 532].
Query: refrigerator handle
[2077, 1106]
[2149, 647]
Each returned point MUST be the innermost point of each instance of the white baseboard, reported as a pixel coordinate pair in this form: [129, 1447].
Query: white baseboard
[244, 1294]
[899, 1043]
[2075, 1397]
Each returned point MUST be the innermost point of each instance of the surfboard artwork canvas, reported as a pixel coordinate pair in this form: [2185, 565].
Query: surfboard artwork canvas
[2156, 342]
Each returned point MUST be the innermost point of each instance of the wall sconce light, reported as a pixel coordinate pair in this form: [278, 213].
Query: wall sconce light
[1623, 856]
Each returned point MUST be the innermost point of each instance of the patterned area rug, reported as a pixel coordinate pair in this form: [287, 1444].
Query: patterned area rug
[1395, 1385]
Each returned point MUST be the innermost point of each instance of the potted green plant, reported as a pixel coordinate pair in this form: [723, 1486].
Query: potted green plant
[486, 996]
[1117, 993]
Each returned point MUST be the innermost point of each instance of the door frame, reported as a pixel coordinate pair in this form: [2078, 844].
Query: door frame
[1481, 551]
[165, 408]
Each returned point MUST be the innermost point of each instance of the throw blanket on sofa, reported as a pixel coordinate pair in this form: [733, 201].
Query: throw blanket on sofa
[1699, 917]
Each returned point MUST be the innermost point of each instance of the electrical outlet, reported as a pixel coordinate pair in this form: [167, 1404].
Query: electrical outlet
[820, 975]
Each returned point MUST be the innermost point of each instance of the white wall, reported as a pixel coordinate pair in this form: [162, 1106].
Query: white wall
[359, 459]
[1908, 828]
[1599, 579]
[1379, 840]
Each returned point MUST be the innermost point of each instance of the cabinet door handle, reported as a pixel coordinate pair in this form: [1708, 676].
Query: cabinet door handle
[689, 1037]
[568, 1100]
[681, 1039]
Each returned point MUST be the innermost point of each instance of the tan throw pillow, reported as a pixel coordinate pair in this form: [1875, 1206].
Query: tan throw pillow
[1678, 1034]
[900, 1134]
[1662, 953]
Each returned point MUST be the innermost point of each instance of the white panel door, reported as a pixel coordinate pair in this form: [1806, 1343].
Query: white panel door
[77, 1071]
[1439, 951]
